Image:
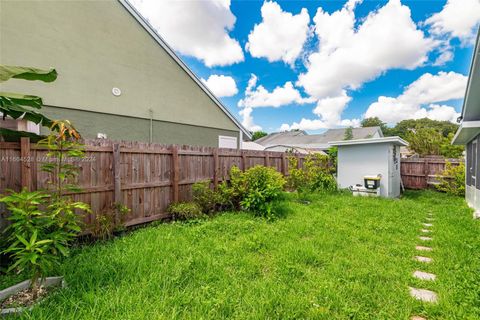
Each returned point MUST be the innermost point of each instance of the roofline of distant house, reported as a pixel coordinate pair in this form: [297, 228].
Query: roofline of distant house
[149, 28]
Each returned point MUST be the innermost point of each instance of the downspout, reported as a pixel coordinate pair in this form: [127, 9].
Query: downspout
[150, 138]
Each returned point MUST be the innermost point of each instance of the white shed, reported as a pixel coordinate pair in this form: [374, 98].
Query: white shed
[370, 157]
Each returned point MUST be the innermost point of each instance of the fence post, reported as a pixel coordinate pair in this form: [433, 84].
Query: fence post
[299, 165]
[425, 168]
[215, 168]
[267, 159]
[284, 172]
[117, 188]
[26, 166]
[244, 161]
[175, 173]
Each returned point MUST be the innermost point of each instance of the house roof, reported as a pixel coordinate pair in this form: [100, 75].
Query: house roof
[315, 141]
[154, 34]
[250, 145]
[395, 140]
[470, 125]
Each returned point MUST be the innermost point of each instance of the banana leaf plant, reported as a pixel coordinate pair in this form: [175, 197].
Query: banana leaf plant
[23, 106]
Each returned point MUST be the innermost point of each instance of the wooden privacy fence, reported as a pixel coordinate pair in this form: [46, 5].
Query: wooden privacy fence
[421, 173]
[144, 177]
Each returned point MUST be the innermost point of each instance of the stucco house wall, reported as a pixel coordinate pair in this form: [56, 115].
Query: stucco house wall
[96, 46]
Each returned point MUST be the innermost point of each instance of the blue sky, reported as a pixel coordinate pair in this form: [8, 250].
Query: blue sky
[344, 61]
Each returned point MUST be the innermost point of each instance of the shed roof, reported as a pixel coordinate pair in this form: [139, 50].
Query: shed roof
[393, 140]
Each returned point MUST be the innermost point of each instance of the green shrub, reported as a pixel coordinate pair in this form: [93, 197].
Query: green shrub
[452, 180]
[260, 186]
[316, 174]
[206, 198]
[185, 211]
[40, 232]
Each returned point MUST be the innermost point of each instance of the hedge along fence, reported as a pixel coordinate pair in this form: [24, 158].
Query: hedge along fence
[142, 176]
[422, 173]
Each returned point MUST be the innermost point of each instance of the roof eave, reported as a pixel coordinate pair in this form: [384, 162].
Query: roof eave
[467, 131]
[149, 28]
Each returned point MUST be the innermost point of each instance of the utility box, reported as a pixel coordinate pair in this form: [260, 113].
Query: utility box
[370, 163]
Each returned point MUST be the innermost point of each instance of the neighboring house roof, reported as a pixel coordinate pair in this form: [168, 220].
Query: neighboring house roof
[470, 125]
[149, 28]
[395, 140]
[276, 137]
[316, 141]
[249, 145]
[294, 149]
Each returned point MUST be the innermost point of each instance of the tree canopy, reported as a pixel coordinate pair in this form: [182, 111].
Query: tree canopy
[258, 134]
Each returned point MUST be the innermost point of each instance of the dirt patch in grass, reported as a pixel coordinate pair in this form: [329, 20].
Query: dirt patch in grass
[24, 298]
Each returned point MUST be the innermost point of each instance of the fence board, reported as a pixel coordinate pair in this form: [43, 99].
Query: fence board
[144, 177]
[421, 173]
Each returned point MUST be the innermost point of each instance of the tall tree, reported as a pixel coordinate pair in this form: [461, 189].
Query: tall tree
[444, 127]
[348, 134]
[258, 134]
[375, 122]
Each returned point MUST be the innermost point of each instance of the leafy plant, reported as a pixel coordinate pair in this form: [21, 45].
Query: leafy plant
[261, 187]
[185, 211]
[43, 223]
[452, 180]
[39, 233]
[206, 198]
[106, 223]
[23, 106]
[315, 175]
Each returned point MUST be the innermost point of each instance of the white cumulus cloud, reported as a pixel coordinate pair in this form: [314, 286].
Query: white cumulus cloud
[329, 112]
[280, 36]
[420, 99]
[347, 57]
[247, 121]
[195, 28]
[221, 86]
[458, 19]
[258, 96]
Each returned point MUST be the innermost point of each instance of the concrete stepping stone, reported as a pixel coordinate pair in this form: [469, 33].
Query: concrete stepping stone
[424, 275]
[429, 219]
[423, 259]
[423, 295]
[425, 230]
[428, 225]
[422, 248]
[425, 238]
[417, 318]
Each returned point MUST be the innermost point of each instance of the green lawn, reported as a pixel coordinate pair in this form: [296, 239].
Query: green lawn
[338, 258]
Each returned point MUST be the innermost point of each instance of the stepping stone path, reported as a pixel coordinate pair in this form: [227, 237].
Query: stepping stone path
[422, 248]
[425, 238]
[424, 294]
[424, 275]
[417, 318]
[423, 259]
